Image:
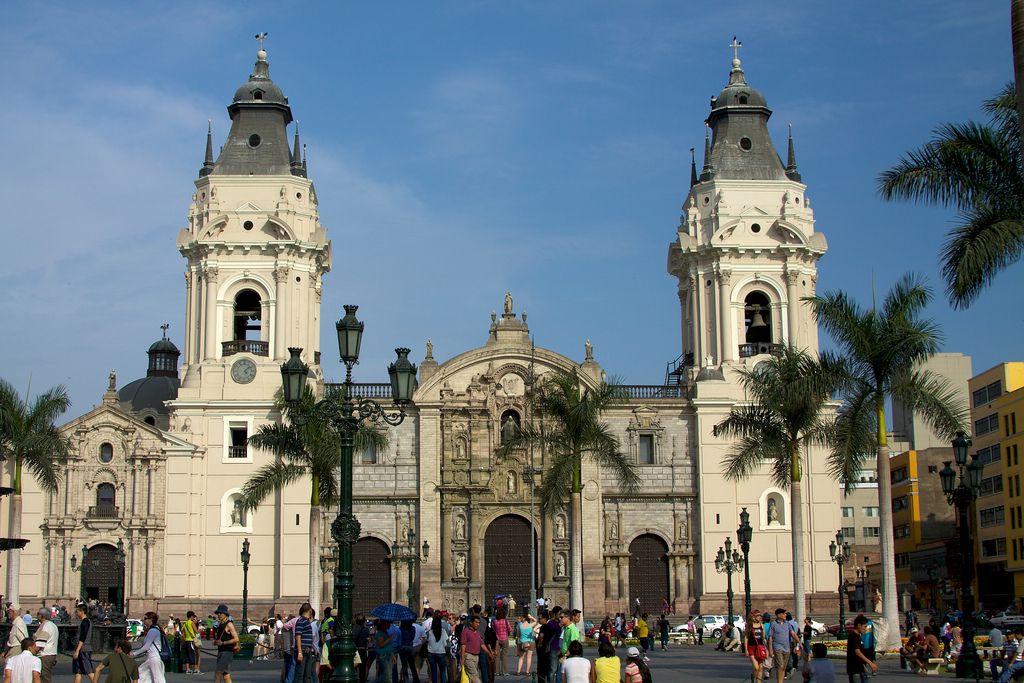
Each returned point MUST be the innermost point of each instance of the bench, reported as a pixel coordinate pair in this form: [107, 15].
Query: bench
[933, 665]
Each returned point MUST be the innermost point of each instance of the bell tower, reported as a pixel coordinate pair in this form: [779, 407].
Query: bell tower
[746, 250]
[255, 250]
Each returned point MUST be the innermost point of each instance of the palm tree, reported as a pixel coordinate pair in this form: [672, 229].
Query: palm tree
[786, 414]
[974, 168]
[1017, 36]
[307, 446]
[570, 429]
[29, 437]
[882, 353]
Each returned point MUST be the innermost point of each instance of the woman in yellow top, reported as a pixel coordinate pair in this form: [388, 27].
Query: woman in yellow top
[607, 667]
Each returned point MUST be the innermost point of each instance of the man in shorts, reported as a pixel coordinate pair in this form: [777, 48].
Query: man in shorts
[782, 641]
[225, 639]
[188, 634]
[81, 658]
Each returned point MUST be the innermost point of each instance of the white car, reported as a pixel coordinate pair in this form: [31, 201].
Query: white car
[817, 627]
[713, 625]
[1004, 620]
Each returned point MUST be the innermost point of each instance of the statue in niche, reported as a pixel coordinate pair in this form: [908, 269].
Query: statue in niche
[508, 303]
[460, 528]
[560, 565]
[773, 512]
[460, 449]
[510, 482]
[681, 531]
[613, 531]
[559, 526]
[460, 566]
[237, 513]
[509, 427]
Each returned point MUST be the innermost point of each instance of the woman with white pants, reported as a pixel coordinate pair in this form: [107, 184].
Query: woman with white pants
[151, 667]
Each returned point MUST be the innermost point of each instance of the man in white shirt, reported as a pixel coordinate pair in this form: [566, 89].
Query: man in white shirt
[19, 632]
[46, 640]
[25, 667]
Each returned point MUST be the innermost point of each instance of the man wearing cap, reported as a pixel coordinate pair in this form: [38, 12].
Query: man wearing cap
[46, 640]
[19, 631]
[225, 638]
[25, 667]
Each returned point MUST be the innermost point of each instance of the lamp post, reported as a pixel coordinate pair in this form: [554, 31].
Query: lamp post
[727, 562]
[119, 560]
[408, 552]
[840, 552]
[961, 494]
[528, 478]
[245, 556]
[345, 413]
[744, 534]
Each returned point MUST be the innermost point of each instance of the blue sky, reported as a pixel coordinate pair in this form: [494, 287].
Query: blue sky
[461, 150]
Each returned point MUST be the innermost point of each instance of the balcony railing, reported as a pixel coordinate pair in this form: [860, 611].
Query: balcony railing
[759, 348]
[644, 391]
[238, 452]
[253, 346]
[367, 390]
[104, 511]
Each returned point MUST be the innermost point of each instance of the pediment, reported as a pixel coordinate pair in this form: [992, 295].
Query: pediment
[248, 207]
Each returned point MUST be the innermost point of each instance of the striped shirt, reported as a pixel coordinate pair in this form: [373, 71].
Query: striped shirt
[304, 630]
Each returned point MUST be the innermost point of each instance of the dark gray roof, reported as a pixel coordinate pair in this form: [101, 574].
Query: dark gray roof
[164, 345]
[149, 392]
[741, 147]
[258, 141]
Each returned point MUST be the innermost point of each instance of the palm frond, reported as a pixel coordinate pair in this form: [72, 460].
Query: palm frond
[855, 435]
[556, 486]
[932, 399]
[976, 251]
[266, 480]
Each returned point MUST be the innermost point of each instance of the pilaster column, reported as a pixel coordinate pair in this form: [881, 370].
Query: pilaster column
[210, 275]
[792, 277]
[280, 332]
[189, 313]
[726, 327]
[697, 346]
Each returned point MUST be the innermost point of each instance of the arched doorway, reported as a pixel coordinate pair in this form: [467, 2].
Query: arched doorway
[507, 560]
[648, 573]
[104, 578]
[371, 572]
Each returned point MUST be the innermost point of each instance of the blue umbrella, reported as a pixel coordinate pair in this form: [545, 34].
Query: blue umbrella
[392, 611]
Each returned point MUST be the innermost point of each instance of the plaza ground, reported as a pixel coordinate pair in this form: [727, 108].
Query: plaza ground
[680, 663]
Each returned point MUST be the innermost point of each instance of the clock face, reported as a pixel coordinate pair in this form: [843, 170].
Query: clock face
[243, 371]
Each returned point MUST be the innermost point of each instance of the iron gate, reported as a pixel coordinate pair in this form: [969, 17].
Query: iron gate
[507, 560]
[102, 574]
[648, 573]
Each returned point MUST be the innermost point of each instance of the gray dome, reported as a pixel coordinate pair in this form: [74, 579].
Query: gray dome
[739, 95]
[259, 89]
[164, 345]
[149, 393]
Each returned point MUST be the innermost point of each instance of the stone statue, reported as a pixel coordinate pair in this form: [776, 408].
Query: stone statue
[460, 527]
[508, 303]
[460, 449]
[187, 425]
[460, 566]
[589, 349]
[773, 511]
[112, 381]
[237, 513]
[509, 429]
[510, 482]
[682, 529]
[613, 531]
[560, 565]
[559, 526]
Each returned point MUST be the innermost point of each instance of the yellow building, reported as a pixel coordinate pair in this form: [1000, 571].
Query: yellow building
[996, 398]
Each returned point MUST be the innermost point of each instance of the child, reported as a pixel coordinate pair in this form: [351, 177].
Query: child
[819, 669]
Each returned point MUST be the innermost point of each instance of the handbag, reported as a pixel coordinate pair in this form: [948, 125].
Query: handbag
[464, 677]
[761, 653]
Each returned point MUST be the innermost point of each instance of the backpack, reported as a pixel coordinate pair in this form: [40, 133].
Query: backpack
[165, 647]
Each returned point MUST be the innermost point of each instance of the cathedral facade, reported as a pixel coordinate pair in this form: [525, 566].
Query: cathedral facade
[159, 465]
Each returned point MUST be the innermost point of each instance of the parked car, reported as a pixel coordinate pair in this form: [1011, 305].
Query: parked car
[1004, 620]
[834, 629]
[713, 625]
[818, 627]
[253, 629]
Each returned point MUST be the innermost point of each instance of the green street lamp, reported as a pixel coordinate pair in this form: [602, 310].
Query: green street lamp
[961, 495]
[745, 534]
[245, 557]
[728, 562]
[345, 413]
[839, 550]
[120, 561]
[408, 552]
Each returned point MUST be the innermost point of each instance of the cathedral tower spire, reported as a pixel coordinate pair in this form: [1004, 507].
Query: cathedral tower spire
[207, 168]
[791, 171]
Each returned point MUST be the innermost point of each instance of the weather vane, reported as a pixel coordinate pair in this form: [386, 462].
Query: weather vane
[735, 45]
[164, 328]
[263, 36]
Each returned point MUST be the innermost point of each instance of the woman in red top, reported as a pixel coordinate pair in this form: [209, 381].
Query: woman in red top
[757, 650]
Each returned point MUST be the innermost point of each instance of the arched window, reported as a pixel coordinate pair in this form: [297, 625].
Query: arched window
[248, 313]
[106, 452]
[510, 425]
[106, 496]
[757, 318]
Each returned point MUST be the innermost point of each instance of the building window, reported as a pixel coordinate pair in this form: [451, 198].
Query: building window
[106, 495]
[238, 448]
[870, 510]
[987, 424]
[849, 532]
[645, 449]
[902, 560]
[847, 512]
[991, 485]
[901, 531]
[369, 455]
[989, 454]
[106, 452]
[900, 503]
[994, 547]
[992, 516]
[899, 474]
[987, 393]
[870, 531]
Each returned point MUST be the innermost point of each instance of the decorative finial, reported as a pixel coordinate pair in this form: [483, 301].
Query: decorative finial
[164, 328]
[207, 168]
[791, 171]
[708, 172]
[693, 167]
[296, 164]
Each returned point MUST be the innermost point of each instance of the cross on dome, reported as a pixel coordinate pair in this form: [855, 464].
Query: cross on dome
[735, 45]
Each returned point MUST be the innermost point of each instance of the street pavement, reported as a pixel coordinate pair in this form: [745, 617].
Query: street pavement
[679, 663]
